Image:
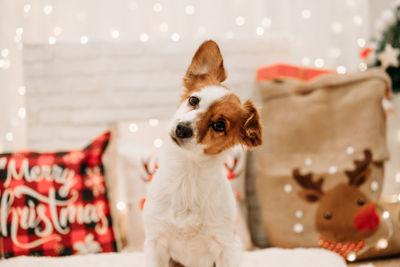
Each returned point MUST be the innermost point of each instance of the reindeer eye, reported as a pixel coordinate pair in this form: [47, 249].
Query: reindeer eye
[360, 202]
[193, 101]
[328, 215]
[218, 126]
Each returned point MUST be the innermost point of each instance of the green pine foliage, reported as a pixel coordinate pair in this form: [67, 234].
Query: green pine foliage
[392, 36]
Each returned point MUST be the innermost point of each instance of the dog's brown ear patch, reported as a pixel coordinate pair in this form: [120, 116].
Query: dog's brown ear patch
[251, 133]
[207, 68]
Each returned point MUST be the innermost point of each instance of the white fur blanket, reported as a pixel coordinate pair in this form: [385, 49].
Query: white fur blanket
[273, 257]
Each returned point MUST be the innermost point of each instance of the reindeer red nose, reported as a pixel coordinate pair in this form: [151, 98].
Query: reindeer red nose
[367, 218]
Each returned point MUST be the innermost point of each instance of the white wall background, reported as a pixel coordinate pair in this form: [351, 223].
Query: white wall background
[76, 91]
[323, 33]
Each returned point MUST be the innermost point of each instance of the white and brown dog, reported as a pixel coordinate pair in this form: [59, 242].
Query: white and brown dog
[190, 212]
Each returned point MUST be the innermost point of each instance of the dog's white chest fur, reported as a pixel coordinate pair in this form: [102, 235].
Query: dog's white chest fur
[190, 209]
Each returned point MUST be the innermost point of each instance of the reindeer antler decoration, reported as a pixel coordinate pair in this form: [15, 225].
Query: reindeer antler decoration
[231, 170]
[147, 168]
[312, 189]
[362, 170]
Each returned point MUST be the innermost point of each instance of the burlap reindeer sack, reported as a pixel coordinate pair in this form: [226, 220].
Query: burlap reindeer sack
[319, 172]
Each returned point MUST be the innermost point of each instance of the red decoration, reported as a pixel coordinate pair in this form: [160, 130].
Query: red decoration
[343, 249]
[231, 174]
[231, 170]
[238, 195]
[141, 203]
[150, 172]
[55, 203]
[288, 71]
[365, 52]
[367, 219]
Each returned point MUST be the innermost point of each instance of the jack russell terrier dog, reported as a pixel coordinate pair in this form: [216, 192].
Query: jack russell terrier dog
[190, 211]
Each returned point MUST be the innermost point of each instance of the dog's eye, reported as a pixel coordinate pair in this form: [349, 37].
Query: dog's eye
[360, 202]
[218, 126]
[193, 101]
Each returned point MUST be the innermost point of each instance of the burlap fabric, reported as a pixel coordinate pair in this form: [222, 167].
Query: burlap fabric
[321, 127]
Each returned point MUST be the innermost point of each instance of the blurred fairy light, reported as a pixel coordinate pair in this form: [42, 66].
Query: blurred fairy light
[84, 39]
[266, 22]
[133, 127]
[357, 20]
[362, 66]
[240, 20]
[9, 136]
[332, 169]
[361, 42]
[382, 243]
[374, 186]
[175, 37]
[158, 143]
[287, 188]
[47, 9]
[308, 161]
[18, 38]
[4, 52]
[306, 61]
[27, 8]
[153, 122]
[337, 27]
[319, 62]
[19, 31]
[57, 31]
[115, 34]
[385, 215]
[157, 7]
[398, 177]
[349, 150]
[189, 10]
[5, 64]
[299, 213]
[22, 90]
[144, 37]
[22, 113]
[298, 228]
[259, 31]
[52, 40]
[341, 69]
[121, 205]
[351, 256]
[306, 13]
[163, 27]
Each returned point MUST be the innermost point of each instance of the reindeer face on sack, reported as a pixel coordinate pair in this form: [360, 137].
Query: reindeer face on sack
[344, 213]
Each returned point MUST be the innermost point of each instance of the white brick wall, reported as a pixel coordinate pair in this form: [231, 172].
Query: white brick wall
[74, 91]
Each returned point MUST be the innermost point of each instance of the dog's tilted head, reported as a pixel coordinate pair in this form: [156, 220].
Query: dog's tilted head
[210, 118]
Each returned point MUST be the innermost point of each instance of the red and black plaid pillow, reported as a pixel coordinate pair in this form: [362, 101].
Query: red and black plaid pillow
[55, 204]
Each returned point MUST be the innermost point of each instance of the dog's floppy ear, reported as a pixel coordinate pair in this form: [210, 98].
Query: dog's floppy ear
[250, 131]
[207, 64]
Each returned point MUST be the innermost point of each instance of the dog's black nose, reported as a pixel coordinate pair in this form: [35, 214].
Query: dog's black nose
[183, 131]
